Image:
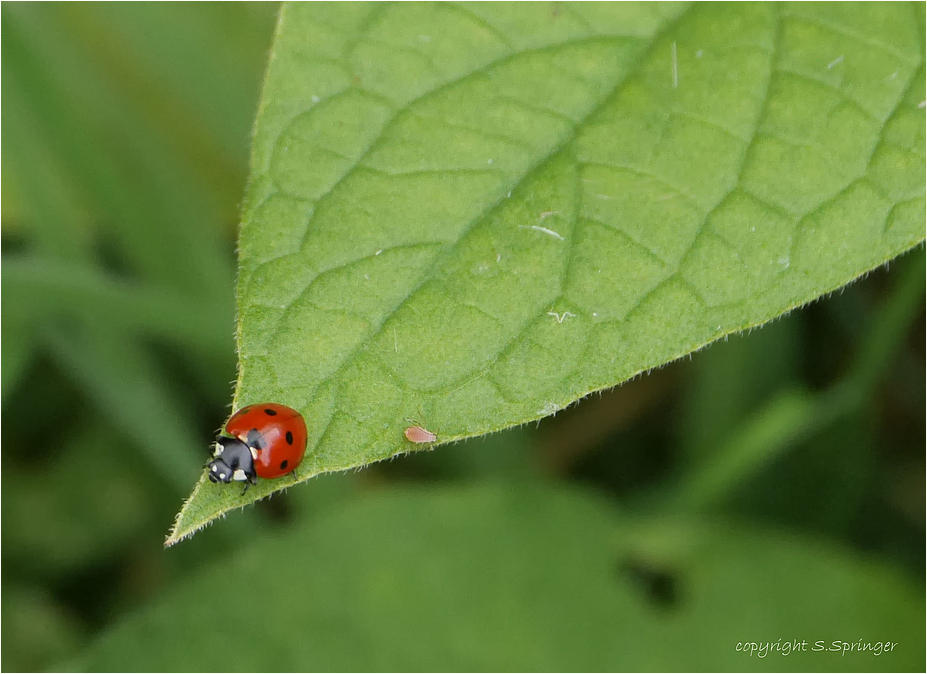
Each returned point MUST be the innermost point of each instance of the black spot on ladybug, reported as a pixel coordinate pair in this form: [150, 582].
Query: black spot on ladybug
[283, 464]
[289, 438]
[255, 439]
[269, 412]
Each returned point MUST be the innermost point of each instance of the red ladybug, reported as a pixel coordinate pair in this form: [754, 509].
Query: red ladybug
[265, 440]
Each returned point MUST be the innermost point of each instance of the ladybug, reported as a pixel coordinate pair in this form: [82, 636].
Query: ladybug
[265, 440]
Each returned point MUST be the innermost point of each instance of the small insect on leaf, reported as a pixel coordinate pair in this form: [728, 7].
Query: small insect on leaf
[417, 434]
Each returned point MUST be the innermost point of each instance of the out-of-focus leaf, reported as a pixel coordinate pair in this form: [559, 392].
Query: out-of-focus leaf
[36, 631]
[16, 349]
[79, 508]
[518, 579]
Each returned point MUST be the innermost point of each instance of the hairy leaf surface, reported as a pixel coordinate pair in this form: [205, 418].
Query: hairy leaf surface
[471, 216]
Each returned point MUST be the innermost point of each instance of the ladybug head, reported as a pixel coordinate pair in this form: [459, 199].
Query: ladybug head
[233, 461]
[219, 471]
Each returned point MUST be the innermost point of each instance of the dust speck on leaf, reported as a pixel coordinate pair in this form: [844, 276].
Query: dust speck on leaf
[544, 230]
[561, 317]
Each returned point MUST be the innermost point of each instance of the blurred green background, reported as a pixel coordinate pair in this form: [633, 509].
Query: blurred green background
[126, 130]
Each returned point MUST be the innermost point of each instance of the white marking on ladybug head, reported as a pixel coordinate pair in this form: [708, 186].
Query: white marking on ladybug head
[221, 476]
[239, 475]
[215, 468]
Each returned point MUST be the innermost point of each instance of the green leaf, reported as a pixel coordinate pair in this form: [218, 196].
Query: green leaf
[41, 633]
[508, 578]
[473, 215]
[80, 508]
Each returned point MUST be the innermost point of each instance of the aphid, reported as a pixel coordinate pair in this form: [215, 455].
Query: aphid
[419, 435]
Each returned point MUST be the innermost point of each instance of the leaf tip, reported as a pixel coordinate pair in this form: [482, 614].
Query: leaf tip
[179, 531]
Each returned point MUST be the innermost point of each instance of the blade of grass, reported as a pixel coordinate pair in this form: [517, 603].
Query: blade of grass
[35, 287]
[119, 377]
[794, 413]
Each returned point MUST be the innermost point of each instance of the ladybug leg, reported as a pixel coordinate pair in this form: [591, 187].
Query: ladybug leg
[252, 479]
